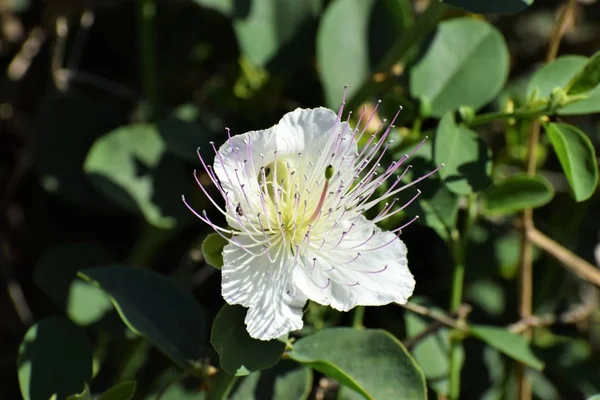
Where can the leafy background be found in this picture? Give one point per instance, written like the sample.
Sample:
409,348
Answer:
107,282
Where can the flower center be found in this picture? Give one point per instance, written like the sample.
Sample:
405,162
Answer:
294,203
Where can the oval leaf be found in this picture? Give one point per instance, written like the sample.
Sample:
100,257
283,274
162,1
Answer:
372,362
270,25
239,354
508,343
467,158
577,157
56,275
131,166
285,381
466,65
490,6
587,78
557,74
156,307
356,33
517,193
55,357
212,249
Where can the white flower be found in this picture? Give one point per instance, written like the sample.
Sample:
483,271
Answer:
294,198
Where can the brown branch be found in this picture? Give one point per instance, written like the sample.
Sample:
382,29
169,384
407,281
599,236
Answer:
571,261
526,258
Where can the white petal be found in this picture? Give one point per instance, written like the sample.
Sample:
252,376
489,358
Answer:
339,278
275,305
243,153
317,133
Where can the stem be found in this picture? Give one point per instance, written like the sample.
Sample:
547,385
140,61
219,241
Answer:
526,258
458,250
409,38
573,262
517,114
147,52
222,386
357,318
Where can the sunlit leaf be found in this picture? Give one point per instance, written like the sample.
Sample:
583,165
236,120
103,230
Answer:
371,362
577,157
465,65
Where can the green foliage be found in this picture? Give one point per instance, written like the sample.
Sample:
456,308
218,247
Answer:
466,65
508,343
156,307
431,352
466,157
337,49
212,249
97,154
239,354
121,391
517,193
284,381
130,165
577,158
558,74
55,357
56,275
371,362
491,6
587,78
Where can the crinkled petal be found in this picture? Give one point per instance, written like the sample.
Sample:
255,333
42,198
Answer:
266,288
317,133
336,276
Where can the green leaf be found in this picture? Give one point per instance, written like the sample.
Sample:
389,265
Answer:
239,354
156,307
431,352
587,78
467,158
56,275
577,158
212,249
269,25
490,6
466,65
55,357
517,193
121,391
186,128
352,33
372,362
130,165
285,381
594,397
85,395
508,343
557,74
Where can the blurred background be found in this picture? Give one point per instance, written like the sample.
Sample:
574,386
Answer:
101,114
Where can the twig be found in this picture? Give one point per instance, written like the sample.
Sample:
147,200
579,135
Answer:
571,261
443,319
526,258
